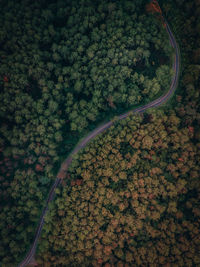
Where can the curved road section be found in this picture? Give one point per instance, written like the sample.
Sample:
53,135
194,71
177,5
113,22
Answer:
63,169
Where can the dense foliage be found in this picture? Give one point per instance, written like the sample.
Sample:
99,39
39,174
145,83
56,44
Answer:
64,67
132,199
80,59
132,196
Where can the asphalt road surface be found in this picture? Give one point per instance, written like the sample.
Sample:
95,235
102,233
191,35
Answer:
94,133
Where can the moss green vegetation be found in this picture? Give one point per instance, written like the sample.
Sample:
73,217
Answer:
131,200
132,196
65,67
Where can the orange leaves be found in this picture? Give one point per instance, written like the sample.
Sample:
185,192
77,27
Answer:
148,157
141,190
109,194
191,129
86,174
118,230
151,196
122,206
114,223
100,260
90,183
144,201
179,215
100,235
108,172
114,245
39,168
153,7
135,195
127,194
122,175
147,142
115,178
129,257
5,79
76,182
141,182
104,211
171,167
79,182
108,250
134,159
161,259
155,170
119,253
156,6
172,207
73,183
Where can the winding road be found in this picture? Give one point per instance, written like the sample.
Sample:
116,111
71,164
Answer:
63,169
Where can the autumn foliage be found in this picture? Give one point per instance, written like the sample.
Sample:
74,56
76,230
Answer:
153,7
129,206
131,198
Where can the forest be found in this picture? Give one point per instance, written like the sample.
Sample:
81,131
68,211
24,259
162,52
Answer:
131,197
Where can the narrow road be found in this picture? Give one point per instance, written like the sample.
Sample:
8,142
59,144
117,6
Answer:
94,133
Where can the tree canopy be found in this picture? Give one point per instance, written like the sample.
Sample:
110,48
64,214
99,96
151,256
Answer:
132,196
